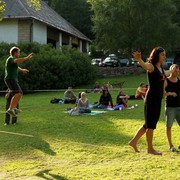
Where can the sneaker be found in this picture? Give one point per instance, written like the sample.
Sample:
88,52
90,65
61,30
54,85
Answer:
5,124
11,112
173,149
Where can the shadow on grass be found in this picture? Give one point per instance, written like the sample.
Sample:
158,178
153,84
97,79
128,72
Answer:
101,129
42,145
51,121
47,175
22,143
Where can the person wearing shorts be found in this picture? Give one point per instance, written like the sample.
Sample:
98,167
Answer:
11,78
172,109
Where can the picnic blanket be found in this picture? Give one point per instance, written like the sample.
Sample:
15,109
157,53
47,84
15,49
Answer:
95,112
92,112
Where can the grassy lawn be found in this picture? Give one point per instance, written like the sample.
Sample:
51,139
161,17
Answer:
48,144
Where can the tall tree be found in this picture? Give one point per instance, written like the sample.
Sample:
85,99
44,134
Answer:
129,24
77,12
177,15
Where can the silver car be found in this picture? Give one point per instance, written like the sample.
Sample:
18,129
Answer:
166,64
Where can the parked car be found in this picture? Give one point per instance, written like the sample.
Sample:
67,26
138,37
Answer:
96,61
134,62
111,60
169,61
124,62
112,56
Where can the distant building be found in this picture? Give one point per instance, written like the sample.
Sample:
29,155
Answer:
22,23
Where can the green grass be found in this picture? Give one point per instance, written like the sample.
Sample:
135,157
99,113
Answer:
82,147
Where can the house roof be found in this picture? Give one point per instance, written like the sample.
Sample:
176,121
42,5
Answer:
19,9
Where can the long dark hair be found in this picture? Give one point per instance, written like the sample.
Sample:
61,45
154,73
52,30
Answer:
105,90
154,56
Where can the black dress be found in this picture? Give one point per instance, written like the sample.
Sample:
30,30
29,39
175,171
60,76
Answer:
153,99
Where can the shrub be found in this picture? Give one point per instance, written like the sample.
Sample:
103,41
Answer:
50,68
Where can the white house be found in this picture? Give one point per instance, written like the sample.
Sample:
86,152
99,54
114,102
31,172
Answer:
23,23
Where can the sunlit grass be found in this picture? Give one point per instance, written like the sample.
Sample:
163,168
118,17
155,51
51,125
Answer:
82,147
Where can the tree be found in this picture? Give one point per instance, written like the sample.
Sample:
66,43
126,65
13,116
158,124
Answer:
77,12
2,6
35,3
176,16
134,24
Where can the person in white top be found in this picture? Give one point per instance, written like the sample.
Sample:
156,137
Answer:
83,104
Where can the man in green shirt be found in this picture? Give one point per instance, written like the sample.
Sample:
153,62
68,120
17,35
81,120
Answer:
11,78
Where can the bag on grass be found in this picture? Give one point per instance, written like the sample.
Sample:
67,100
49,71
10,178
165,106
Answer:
74,112
55,101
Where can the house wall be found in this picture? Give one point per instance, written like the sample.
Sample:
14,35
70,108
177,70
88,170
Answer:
14,31
39,33
9,31
24,30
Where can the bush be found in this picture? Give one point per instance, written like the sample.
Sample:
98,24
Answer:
50,68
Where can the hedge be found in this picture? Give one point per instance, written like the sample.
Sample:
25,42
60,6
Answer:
50,68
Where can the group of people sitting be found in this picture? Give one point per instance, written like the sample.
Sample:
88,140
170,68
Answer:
105,101
140,91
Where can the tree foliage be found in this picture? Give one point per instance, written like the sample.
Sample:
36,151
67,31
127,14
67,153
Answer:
2,8
177,14
129,24
77,12
34,3
50,68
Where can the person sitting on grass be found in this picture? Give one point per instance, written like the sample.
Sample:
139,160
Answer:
83,104
141,91
97,87
121,101
105,100
69,96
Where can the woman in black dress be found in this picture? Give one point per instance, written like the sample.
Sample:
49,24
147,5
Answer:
152,106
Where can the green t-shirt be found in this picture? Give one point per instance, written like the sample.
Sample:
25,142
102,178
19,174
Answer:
11,69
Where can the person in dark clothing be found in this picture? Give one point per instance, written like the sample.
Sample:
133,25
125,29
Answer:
152,103
105,100
11,77
172,110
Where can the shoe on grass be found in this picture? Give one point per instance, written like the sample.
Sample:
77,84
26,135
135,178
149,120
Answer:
11,112
173,149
